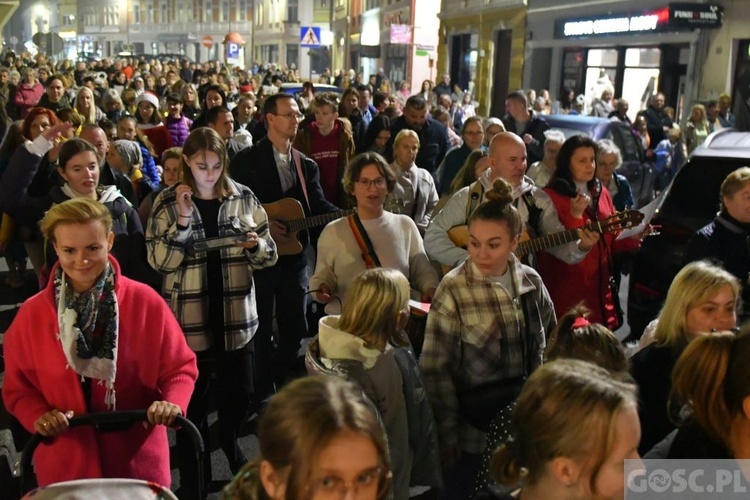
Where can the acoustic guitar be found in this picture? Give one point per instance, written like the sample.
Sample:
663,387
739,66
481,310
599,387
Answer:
289,212
618,221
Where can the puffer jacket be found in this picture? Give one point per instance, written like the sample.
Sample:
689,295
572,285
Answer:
422,431
179,129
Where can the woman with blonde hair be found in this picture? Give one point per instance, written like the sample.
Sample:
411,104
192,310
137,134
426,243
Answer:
415,187
713,377
86,106
696,128
211,290
368,344
95,341
574,427
318,438
702,298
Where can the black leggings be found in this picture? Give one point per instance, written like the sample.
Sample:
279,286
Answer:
230,375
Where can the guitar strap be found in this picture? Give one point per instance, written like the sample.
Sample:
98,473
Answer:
365,245
302,180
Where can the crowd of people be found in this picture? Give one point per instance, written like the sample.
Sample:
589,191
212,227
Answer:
240,205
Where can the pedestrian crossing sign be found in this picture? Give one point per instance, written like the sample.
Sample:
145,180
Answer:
309,36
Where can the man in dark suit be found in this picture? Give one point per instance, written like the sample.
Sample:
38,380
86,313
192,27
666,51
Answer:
269,168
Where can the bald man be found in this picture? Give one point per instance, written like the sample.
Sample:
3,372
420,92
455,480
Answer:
507,161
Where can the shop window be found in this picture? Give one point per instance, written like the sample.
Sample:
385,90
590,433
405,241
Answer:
292,55
602,57
643,58
292,11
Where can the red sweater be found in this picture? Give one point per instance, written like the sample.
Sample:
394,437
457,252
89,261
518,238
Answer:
154,363
587,281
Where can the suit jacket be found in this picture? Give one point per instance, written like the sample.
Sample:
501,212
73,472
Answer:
255,167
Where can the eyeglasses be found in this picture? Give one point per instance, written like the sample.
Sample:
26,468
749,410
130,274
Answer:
289,116
372,483
378,183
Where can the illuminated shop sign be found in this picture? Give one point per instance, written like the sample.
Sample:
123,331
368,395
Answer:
674,17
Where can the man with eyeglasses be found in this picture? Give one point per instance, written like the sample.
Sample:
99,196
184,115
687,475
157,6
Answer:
473,134
271,169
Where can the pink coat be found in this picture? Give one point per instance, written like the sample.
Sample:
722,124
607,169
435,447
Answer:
27,96
154,363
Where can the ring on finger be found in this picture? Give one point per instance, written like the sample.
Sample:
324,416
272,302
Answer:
45,424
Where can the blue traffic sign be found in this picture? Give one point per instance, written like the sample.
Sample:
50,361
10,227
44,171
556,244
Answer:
309,36
233,50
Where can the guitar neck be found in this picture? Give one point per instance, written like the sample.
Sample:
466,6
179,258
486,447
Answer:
316,220
553,240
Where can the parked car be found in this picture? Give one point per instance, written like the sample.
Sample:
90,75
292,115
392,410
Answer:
296,88
690,202
635,168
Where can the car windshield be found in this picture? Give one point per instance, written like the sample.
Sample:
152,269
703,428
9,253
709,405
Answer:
694,192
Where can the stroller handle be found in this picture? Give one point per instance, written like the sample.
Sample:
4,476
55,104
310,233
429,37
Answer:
111,422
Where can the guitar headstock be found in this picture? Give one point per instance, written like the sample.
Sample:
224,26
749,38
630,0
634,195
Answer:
394,205
622,220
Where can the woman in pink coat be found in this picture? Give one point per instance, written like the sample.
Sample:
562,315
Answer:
28,93
95,341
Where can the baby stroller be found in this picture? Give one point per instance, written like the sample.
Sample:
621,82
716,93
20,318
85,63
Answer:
109,488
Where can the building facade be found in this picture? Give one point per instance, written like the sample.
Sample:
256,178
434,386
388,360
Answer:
635,48
277,32
196,29
481,47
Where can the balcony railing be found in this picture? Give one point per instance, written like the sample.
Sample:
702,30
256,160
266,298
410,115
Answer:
243,27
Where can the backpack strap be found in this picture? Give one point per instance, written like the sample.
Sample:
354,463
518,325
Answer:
535,213
303,182
475,194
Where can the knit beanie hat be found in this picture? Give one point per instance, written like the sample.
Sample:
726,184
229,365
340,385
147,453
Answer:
129,151
150,98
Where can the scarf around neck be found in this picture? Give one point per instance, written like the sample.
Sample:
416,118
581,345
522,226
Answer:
88,325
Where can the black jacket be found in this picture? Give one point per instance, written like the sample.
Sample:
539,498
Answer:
727,242
656,121
110,177
652,371
433,143
536,127
255,167
129,247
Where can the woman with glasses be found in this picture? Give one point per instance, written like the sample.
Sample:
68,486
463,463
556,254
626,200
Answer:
472,133
394,240
319,439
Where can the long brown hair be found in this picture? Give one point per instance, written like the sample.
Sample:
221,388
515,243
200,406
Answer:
205,139
712,376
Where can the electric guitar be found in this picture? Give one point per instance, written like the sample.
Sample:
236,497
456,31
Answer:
616,222
289,212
